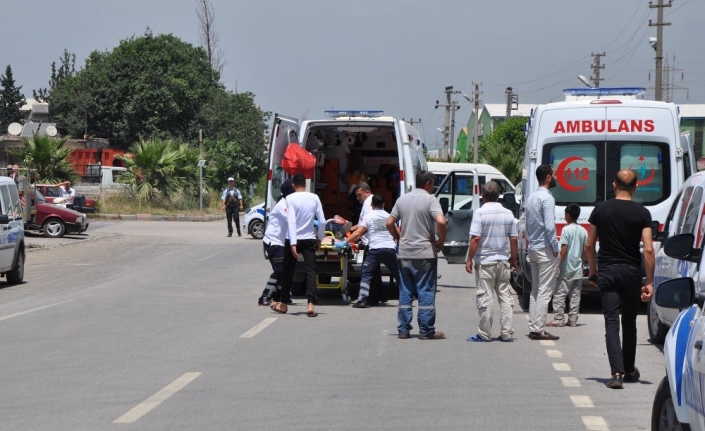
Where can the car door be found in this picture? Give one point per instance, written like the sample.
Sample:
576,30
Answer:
694,373
458,194
284,131
7,248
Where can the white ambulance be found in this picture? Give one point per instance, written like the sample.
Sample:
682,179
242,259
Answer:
587,140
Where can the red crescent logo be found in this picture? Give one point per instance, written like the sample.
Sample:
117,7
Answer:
651,177
560,174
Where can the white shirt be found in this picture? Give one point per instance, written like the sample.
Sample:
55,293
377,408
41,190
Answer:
68,195
494,224
366,209
302,208
277,224
375,222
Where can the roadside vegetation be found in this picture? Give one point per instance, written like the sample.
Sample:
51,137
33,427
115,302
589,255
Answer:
49,156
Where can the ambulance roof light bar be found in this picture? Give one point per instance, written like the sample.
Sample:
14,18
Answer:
616,91
354,113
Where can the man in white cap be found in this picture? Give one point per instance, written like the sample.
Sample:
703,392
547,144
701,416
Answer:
231,202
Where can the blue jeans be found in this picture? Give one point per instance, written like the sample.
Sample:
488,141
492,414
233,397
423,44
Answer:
418,276
373,259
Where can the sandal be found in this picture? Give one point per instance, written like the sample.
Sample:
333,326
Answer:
275,307
311,313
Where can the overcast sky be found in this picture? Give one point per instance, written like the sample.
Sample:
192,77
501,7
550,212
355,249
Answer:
394,55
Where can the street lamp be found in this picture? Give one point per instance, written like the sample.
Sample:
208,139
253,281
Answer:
584,80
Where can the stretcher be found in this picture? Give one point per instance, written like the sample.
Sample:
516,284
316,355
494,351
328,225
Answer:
332,263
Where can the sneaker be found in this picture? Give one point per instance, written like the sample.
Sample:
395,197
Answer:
432,336
230,234
542,336
572,324
632,378
403,335
239,234
361,304
615,382
556,323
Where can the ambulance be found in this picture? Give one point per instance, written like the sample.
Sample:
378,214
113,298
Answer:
587,139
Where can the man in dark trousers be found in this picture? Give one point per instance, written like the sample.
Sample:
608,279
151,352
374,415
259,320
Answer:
621,224
232,204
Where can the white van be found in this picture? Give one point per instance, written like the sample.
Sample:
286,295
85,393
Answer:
587,141
485,173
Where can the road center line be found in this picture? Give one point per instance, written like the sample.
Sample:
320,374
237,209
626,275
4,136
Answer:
10,316
258,327
570,382
554,353
582,401
547,342
595,423
212,255
561,366
150,403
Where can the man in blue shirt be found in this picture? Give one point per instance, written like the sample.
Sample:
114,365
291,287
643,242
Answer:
543,251
231,202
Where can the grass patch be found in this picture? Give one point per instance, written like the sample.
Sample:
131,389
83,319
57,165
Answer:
179,204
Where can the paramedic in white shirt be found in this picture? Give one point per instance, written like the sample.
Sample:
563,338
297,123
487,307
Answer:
303,208
274,240
376,287
492,255
381,248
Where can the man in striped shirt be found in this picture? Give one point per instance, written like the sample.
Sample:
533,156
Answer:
492,255
543,251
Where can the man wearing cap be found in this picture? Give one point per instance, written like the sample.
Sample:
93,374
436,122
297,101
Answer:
231,202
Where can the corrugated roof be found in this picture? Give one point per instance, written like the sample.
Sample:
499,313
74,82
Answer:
500,109
692,110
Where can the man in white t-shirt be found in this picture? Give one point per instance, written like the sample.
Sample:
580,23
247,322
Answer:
363,192
302,209
492,254
67,192
381,248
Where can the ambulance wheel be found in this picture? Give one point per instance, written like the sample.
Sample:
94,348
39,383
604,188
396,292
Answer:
346,298
663,414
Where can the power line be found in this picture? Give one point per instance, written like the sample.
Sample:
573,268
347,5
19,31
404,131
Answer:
684,3
638,7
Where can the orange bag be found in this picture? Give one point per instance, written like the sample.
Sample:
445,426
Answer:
298,161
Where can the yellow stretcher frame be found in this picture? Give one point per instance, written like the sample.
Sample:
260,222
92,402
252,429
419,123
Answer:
322,255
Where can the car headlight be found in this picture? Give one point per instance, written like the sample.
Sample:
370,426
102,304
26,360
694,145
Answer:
79,219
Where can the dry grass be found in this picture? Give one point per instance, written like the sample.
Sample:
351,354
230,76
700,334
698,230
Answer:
126,203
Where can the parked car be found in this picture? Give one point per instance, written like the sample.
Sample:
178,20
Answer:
52,194
253,222
685,216
54,220
12,254
679,403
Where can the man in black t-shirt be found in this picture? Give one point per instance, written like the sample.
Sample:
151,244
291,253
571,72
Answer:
621,225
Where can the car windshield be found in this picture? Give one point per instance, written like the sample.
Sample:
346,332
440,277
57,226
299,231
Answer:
40,196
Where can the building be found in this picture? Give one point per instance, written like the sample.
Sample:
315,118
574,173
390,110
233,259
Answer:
489,114
693,120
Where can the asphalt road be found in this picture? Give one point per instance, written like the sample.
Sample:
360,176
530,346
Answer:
154,326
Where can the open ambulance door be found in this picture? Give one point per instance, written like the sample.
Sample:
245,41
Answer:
284,131
459,195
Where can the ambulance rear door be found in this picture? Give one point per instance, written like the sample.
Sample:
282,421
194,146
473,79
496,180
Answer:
411,157
284,131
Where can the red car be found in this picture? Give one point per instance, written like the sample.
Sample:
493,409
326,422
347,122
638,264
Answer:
54,220
51,192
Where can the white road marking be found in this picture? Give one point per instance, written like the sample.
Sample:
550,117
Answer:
595,423
554,353
570,382
33,310
561,366
212,255
150,403
547,342
258,327
383,342
582,401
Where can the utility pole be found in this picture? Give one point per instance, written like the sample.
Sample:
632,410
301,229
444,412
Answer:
412,121
596,66
200,169
475,133
453,108
658,91
446,124
512,102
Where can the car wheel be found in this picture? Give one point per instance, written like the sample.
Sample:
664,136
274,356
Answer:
16,275
657,330
54,228
256,229
515,283
663,413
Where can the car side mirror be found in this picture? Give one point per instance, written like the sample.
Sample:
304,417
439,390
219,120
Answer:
4,219
681,247
657,235
445,203
676,293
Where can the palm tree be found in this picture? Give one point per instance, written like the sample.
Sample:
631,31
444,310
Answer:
48,156
505,159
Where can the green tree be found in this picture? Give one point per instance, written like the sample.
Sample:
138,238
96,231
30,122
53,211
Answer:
67,67
504,148
152,86
48,156
11,100
160,166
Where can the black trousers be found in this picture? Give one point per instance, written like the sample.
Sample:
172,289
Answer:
620,289
376,293
275,253
306,248
233,213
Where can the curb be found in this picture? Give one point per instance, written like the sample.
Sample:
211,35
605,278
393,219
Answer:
151,217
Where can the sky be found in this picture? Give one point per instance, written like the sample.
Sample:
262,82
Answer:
307,56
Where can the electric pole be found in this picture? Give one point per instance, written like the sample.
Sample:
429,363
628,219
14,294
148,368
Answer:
412,121
658,91
512,102
454,107
475,132
450,107
596,66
